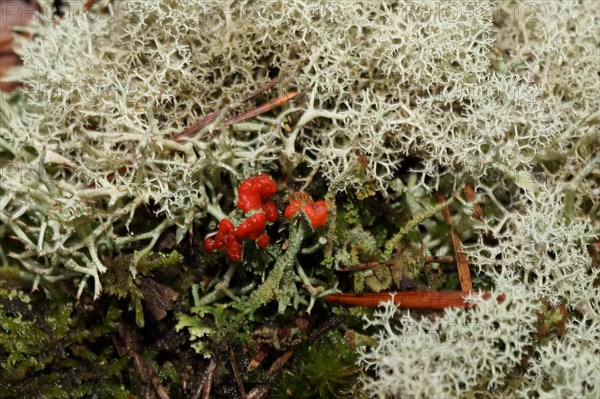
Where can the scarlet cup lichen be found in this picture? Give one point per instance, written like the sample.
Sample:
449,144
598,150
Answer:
316,212
252,227
254,198
255,193
227,240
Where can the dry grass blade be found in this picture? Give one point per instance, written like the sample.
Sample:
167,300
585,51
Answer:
279,363
205,386
258,392
256,361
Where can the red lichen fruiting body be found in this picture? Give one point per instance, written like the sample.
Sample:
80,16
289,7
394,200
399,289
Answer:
266,186
263,240
254,194
226,240
209,245
292,209
271,211
301,196
249,201
252,227
254,191
317,213
225,228
234,248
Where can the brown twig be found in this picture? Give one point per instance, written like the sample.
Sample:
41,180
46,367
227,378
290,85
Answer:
207,379
464,275
470,195
236,373
370,265
432,300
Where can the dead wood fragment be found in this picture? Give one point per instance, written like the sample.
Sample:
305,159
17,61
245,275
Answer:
157,298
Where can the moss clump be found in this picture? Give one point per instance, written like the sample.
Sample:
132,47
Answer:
325,369
48,353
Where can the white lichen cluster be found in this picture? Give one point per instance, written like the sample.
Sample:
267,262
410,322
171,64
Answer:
90,145
482,352
544,248
542,199
460,352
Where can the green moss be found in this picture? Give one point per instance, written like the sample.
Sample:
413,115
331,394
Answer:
47,352
325,369
155,260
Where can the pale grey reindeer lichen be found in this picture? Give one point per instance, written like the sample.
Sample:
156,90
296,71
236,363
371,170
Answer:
89,145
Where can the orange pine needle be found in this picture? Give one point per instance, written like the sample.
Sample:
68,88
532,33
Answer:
196,127
278,102
432,300
6,41
208,119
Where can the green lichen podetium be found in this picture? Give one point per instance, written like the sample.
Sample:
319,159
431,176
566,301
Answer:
395,240
89,167
278,283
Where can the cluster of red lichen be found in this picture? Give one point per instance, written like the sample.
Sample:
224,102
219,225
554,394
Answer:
225,240
254,198
315,211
